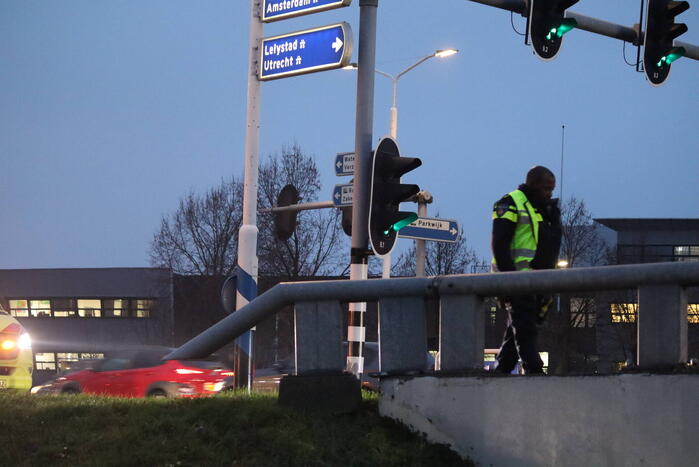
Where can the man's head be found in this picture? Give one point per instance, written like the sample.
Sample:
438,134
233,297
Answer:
542,181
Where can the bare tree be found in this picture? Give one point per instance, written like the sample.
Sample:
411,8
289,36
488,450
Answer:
581,243
201,236
316,246
441,258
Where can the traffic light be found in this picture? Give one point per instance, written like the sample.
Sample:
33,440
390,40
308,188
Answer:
387,192
285,221
661,31
547,25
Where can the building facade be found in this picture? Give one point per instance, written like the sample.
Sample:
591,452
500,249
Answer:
77,314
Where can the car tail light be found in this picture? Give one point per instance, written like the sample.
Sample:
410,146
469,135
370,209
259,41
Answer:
228,373
188,371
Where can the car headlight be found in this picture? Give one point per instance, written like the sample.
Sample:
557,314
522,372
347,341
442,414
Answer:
24,342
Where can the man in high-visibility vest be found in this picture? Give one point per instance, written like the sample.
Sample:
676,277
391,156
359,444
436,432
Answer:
526,235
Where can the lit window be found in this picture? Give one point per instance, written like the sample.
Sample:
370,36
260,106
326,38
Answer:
90,356
144,307
687,253
693,313
624,312
89,308
64,307
64,360
45,361
115,307
19,308
40,308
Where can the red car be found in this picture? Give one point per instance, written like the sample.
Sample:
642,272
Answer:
142,374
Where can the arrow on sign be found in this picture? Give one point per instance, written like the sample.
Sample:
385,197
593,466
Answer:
308,51
431,228
343,195
344,163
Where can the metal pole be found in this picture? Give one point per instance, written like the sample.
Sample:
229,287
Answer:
301,207
393,129
563,133
420,246
247,237
362,176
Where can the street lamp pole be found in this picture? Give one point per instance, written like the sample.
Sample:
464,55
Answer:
393,132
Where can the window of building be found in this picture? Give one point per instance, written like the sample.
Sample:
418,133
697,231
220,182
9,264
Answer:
582,312
82,307
693,313
65,359
143,308
624,312
90,355
89,308
40,308
45,361
115,308
687,253
19,308
64,307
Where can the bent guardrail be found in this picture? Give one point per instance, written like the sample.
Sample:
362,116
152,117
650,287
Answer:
662,314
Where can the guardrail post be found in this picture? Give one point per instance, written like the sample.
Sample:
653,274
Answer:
461,332
662,325
402,334
318,337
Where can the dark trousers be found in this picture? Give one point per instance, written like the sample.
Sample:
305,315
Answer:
520,337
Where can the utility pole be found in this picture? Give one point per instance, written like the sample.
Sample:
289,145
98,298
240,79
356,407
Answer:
247,243
362,177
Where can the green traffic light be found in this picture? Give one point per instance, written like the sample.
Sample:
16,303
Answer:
401,223
566,25
672,55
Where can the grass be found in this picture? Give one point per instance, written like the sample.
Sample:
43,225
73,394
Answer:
227,430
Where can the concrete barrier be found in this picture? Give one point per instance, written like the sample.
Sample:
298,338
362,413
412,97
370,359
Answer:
619,420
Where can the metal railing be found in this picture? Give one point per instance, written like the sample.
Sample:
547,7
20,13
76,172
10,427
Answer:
661,332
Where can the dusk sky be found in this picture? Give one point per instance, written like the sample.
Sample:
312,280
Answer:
111,111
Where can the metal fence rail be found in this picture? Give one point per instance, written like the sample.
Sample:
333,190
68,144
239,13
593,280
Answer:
662,314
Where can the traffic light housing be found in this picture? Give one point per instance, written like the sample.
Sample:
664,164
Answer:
661,30
285,221
387,192
547,25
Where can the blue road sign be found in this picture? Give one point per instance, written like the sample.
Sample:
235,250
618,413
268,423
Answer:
273,10
431,228
344,163
307,51
343,195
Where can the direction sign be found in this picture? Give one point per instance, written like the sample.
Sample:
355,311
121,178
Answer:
344,163
431,228
274,10
342,194
307,51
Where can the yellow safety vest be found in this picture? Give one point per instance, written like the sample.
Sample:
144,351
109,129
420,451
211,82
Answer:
526,237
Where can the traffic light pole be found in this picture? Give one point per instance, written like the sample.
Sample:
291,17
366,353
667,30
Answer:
247,245
633,34
362,177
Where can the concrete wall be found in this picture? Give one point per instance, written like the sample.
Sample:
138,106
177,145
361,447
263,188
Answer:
621,420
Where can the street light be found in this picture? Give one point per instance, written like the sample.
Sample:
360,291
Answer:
393,132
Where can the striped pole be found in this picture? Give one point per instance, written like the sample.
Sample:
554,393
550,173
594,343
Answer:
247,237
356,330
